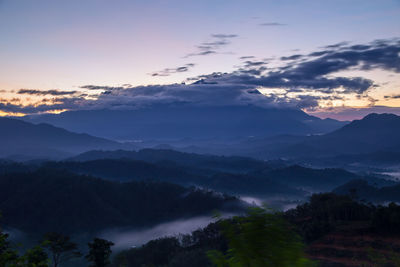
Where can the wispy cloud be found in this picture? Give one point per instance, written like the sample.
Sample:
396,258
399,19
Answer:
246,57
169,71
272,24
224,36
211,47
53,92
392,96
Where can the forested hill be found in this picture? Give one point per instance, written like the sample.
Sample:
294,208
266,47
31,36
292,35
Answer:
360,189
51,200
211,162
336,231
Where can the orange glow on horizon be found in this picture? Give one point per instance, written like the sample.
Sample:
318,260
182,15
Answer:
19,114
11,114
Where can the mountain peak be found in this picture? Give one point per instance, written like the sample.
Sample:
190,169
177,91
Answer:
43,140
382,116
372,124
376,122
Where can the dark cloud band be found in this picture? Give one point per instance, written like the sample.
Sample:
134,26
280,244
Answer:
45,92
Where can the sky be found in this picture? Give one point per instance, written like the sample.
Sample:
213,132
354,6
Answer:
338,59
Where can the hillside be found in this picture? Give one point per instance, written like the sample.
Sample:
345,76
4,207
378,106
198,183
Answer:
173,157
375,133
247,178
124,170
43,140
336,231
49,200
370,193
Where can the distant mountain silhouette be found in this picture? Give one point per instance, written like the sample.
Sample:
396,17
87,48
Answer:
177,122
27,140
374,133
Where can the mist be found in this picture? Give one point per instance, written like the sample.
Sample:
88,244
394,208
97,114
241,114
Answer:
129,238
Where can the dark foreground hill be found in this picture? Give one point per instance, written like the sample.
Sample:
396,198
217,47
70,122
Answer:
360,189
336,230
27,140
49,200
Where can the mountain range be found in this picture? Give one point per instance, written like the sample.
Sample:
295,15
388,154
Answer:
23,140
376,135
164,122
370,135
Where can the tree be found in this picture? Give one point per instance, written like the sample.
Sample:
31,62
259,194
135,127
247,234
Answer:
35,257
99,252
260,239
8,256
61,248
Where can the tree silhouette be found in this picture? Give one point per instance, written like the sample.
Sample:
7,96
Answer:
99,252
7,255
35,257
61,248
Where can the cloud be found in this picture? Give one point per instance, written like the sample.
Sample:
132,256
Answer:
252,67
211,47
337,45
100,87
310,81
224,36
315,72
272,24
292,57
54,92
169,71
42,106
392,96
246,57
294,84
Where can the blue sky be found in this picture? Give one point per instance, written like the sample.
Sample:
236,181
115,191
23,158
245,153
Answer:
65,45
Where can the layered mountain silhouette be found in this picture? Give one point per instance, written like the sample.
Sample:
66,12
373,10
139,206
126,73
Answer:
22,139
374,134
177,122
